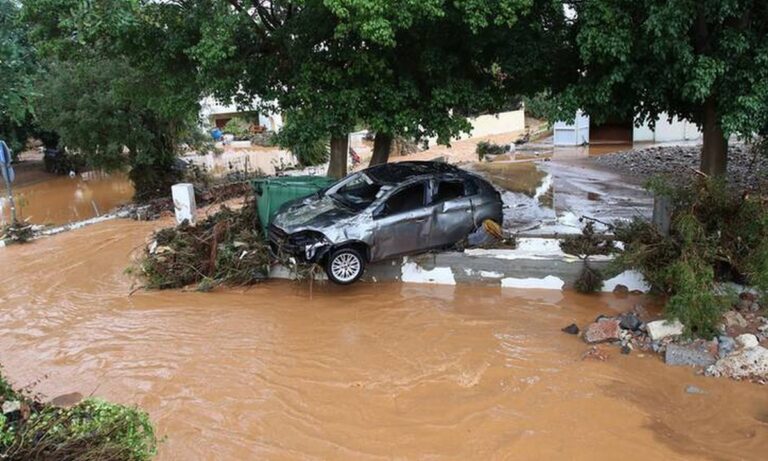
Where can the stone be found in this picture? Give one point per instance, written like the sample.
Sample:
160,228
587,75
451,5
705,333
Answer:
725,345
630,321
11,406
694,390
660,329
620,289
734,319
601,331
747,341
697,354
67,400
746,363
626,349
571,329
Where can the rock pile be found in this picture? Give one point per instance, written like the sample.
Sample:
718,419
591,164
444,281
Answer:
676,162
736,353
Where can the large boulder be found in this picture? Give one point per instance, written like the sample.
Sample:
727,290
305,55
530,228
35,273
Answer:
697,354
743,364
604,329
660,329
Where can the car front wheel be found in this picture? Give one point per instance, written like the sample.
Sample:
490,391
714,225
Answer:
345,266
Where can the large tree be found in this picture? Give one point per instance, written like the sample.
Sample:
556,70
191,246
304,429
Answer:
703,60
414,69
117,76
17,70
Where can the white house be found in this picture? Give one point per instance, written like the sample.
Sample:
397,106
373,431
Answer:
217,114
582,131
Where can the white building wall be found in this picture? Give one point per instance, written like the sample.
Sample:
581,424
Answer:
667,131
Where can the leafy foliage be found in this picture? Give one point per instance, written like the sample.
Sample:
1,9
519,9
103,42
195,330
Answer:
92,430
17,69
716,236
117,77
588,243
411,69
485,148
238,127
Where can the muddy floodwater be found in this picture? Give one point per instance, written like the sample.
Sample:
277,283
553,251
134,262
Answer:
367,372
61,199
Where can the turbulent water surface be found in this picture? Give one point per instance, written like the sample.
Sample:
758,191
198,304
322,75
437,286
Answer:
372,371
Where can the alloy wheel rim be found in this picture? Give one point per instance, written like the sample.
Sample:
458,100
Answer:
345,267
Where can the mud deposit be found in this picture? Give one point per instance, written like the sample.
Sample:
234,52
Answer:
371,371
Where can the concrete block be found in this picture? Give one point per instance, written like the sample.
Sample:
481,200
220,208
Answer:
184,202
660,329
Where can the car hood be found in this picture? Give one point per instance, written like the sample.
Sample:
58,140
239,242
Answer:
311,213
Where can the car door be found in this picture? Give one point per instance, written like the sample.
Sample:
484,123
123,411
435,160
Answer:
402,222
454,218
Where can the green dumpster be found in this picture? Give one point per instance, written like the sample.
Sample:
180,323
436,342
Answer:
272,193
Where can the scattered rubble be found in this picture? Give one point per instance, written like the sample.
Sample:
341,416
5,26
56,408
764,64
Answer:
745,169
736,353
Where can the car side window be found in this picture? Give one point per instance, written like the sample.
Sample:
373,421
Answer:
407,199
449,190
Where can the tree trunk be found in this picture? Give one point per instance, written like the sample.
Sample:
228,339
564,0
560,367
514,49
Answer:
337,167
382,145
714,153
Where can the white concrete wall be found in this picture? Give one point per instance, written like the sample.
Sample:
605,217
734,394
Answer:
504,122
492,124
666,131
210,106
572,134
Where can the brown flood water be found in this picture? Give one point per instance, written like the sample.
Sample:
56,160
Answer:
61,199
372,371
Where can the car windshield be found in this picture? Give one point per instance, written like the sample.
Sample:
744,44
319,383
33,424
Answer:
358,192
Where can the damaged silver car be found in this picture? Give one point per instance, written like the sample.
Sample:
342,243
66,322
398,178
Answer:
381,212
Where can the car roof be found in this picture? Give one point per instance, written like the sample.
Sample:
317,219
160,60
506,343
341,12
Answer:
392,173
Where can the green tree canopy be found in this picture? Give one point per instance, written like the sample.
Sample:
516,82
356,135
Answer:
17,70
117,76
703,60
403,68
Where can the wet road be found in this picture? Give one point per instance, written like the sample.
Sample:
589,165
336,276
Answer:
384,371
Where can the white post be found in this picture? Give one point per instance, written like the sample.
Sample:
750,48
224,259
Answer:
184,203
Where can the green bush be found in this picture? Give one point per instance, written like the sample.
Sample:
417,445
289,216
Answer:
238,127
485,148
311,153
92,430
716,235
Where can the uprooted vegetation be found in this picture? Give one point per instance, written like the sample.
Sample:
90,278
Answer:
225,248
716,236
92,430
588,243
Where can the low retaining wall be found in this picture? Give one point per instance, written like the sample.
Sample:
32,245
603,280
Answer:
536,263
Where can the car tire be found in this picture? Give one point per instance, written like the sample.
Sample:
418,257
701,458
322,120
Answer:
344,266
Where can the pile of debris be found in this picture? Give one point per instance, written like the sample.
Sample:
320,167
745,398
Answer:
225,248
736,352
20,232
